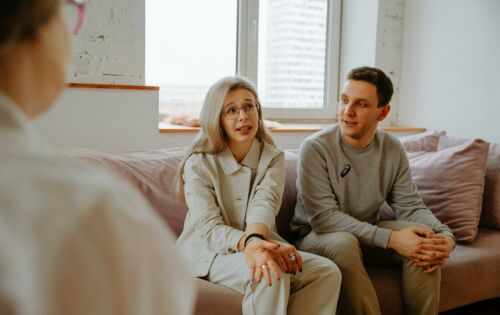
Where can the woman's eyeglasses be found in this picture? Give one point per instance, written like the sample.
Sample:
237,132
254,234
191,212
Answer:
232,112
74,18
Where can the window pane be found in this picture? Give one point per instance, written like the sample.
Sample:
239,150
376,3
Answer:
292,46
189,45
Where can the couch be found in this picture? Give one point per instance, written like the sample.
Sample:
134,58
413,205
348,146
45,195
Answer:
471,274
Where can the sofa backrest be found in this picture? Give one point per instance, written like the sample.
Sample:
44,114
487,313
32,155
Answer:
289,199
490,216
153,172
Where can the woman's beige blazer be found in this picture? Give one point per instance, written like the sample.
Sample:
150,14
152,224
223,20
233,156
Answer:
222,200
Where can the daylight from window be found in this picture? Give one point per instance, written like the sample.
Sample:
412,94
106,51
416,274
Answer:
192,43
292,43
189,45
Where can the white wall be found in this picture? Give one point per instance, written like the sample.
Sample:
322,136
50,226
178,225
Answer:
451,67
358,35
110,46
389,49
106,119
124,120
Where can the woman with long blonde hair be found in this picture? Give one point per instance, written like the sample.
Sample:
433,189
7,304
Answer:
232,181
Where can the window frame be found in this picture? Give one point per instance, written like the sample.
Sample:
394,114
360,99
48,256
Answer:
247,61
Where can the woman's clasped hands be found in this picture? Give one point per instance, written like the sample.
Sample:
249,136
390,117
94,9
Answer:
264,257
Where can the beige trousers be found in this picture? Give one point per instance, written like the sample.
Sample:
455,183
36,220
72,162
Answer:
315,290
357,296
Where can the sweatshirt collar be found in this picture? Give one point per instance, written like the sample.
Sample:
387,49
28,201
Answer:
349,147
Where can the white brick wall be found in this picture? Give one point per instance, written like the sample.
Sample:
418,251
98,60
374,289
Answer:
389,48
110,49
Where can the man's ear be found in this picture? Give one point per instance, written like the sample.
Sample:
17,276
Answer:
384,112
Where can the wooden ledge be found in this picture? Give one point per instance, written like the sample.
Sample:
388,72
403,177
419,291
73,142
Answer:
113,86
285,128
403,129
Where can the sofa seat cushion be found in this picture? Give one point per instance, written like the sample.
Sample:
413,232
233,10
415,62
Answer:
471,274
215,299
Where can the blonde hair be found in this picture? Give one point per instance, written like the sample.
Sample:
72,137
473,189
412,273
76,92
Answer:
211,138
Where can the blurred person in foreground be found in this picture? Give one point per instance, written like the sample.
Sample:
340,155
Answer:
73,240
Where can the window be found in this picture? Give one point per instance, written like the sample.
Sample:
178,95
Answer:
289,48
189,45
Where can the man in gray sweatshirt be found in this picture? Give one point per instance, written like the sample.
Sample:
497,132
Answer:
345,173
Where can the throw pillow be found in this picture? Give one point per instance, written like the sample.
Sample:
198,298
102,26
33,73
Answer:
426,141
490,215
451,183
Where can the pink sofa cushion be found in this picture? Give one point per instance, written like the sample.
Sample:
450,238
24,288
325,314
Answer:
426,141
490,216
451,183
153,172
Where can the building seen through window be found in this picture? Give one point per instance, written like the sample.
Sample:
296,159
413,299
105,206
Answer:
292,43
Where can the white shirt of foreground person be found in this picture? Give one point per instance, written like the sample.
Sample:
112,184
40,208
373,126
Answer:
74,240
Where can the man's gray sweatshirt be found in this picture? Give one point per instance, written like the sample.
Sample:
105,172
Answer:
341,188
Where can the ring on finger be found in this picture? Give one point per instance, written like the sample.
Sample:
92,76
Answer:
264,267
292,257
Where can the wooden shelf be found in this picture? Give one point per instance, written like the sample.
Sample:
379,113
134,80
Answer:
285,128
113,86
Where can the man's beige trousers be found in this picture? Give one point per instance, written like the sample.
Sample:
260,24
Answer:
357,296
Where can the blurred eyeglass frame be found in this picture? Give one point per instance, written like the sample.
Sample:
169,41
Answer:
80,5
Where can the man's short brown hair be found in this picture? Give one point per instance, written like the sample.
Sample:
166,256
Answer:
378,78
